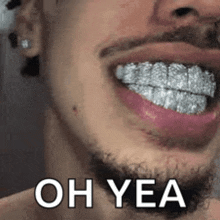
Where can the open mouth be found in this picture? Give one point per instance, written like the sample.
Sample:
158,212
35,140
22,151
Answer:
171,89
184,88
179,102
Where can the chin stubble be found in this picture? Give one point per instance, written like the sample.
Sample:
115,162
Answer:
195,188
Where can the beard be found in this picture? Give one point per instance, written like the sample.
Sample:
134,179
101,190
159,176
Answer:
195,188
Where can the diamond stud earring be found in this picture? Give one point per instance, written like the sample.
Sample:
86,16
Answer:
25,44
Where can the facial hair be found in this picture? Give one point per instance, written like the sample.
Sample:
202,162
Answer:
195,189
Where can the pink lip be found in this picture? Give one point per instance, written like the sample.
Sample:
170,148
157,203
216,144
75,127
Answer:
171,122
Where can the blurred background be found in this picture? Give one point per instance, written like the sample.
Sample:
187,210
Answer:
22,104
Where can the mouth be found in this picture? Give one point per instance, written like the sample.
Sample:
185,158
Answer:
182,88
178,93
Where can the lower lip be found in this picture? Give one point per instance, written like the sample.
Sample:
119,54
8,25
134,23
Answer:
170,122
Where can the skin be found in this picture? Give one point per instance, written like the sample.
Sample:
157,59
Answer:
85,116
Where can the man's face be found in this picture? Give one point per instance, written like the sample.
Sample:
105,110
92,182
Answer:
90,38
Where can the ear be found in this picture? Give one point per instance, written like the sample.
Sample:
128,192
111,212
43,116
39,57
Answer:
29,26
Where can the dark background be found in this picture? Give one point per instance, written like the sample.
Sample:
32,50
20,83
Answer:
22,104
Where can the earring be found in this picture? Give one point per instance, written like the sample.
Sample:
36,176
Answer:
25,44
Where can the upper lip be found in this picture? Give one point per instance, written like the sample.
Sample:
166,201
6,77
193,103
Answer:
169,52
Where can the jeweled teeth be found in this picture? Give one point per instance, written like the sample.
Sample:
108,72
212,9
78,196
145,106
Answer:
173,87
171,102
183,102
144,73
130,72
190,103
159,75
209,84
175,76
159,96
120,72
195,79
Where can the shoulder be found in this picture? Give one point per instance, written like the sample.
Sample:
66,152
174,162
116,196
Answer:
20,206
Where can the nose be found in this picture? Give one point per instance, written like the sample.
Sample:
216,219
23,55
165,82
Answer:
187,12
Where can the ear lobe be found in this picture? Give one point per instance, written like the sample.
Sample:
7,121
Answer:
28,26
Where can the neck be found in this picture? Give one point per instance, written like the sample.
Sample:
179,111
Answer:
65,158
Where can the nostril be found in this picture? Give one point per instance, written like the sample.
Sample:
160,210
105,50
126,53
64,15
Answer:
181,12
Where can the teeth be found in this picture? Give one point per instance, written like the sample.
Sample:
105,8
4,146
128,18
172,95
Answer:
171,102
182,102
174,87
177,77
148,92
159,75
159,96
144,76
129,73
190,103
195,80
209,84
120,72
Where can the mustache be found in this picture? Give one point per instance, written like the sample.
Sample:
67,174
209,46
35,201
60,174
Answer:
203,36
